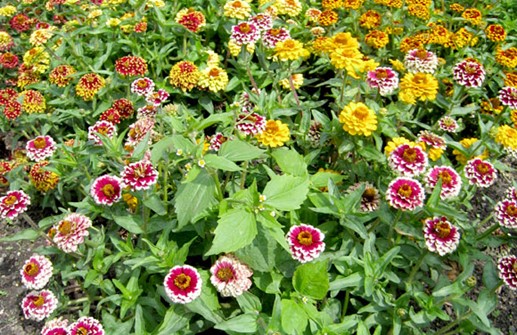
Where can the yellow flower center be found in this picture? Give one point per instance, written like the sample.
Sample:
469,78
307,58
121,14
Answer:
10,200
470,69
360,113
237,4
274,32
141,84
139,171
102,130
182,281
381,74
511,210
405,191
304,238
409,155
421,53
82,331
213,72
445,177
224,274
40,143
244,28
419,78
289,44
369,194
65,227
514,267
38,301
108,190
31,269
442,229
482,168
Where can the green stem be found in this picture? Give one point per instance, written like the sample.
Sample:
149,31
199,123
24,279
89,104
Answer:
244,173
345,305
489,231
445,329
392,226
417,266
218,186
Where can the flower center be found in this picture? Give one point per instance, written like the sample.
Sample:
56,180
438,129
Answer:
182,281
38,301
213,72
274,32
419,79
442,229
369,194
40,143
381,74
421,53
289,44
482,168
244,28
445,177
103,130
141,84
31,269
409,155
471,68
304,238
511,210
82,331
225,274
405,191
360,113
139,171
108,190
514,267
10,200
65,227
237,4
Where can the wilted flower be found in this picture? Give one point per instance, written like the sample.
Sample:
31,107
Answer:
451,181
469,73
305,242
70,232
408,160
251,124
89,85
13,204
40,148
275,134
86,325
105,128
440,235
230,277
142,86
131,66
405,193
106,190
506,213
36,272
182,284
191,19
480,173
383,78
370,198
508,96
138,131
139,175
38,305
507,266
421,61
184,75
358,119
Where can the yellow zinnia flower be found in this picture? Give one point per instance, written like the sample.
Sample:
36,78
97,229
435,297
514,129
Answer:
467,143
358,119
214,78
507,137
275,134
7,11
290,50
297,79
421,86
237,9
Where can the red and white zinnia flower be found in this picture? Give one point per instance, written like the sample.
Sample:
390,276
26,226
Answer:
106,190
440,235
405,194
139,175
506,213
102,127
480,173
508,271
383,78
230,277
38,305
305,242
40,148
13,204
86,325
71,231
182,284
36,272
451,181
408,160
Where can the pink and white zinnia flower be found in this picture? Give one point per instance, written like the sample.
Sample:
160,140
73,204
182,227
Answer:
36,272
13,204
40,148
106,190
480,173
86,325
506,213
508,96
469,73
305,242
383,78
230,277
440,235
405,194
508,271
451,181
104,128
142,86
139,175
408,160
57,326
38,305
245,33
420,60
71,231
182,284
251,124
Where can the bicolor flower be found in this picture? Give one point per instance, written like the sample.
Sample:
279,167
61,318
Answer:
305,242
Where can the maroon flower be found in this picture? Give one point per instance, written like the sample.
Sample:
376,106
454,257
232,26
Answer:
140,175
508,271
245,33
182,284
508,96
131,66
251,124
383,78
106,190
142,86
272,36
105,128
469,73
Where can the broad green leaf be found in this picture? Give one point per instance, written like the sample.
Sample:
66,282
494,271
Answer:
131,223
260,254
173,322
290,162
249,303
242,324
114,326
159,148
294,319
311,279
220,163
286,192
194,197
320,179
155,203
236,229
26,234
354,280
236,150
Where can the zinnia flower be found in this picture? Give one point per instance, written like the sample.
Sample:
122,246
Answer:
290,50
421,61
86,325
237,9
12,109
20,22
370,198
191,19
36,272
408,160
421,86
6,41
506,213
440,235
33,101
305,242
495,33
507,266
110,115
124,107
184,75
370,19
275,134
448,124
57,326
43,180
9,60
157,98
405,194
480,173
272,36
358,119
106,190
262,21
245,33
216,141
142,86
61,75
507,58
507,137
182,284
469,73
213,78
139,175
451,181
472,15
508,96
104,128
138,131
13,204
38,305
71,231
40,148
383,78
89,85
251,124
131,66
230,277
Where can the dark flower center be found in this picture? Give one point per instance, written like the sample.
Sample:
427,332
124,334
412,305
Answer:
40,143
213,72
381,74
182,281
304,238
422,54
442,229
31,269
225,274
369,194
81,331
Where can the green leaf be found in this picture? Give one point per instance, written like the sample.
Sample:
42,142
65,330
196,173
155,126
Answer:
354,280
236,150
286,192
242,324
173,322
290,162
220,163
249,303
320,179
115,327
159,148
311,280
236,229
194,197
130,223
26,234
293,317
154,203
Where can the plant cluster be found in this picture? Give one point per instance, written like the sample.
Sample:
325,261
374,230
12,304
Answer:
270,167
